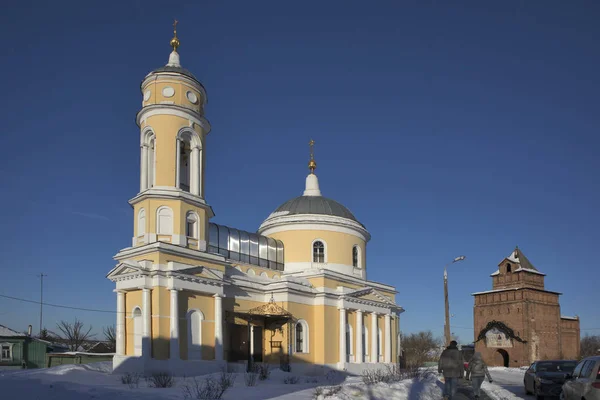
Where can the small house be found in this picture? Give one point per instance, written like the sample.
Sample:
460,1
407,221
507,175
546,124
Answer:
20,350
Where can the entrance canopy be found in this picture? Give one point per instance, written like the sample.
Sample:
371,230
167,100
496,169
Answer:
269,312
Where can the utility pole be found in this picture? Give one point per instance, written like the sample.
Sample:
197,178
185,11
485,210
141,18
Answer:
447,336
41,275
447,307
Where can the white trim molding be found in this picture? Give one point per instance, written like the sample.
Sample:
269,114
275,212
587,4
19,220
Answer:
312,222
174,110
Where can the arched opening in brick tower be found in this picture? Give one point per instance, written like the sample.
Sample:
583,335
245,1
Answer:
502,358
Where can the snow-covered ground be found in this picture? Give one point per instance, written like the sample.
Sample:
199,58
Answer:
507,384
95,381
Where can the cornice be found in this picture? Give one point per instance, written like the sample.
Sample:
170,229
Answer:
172,249
171,193
173,109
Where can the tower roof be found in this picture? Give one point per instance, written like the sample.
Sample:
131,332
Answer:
174,65
518,257
523,264
311,201
313,205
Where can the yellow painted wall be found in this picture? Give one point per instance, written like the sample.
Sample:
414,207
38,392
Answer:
206,304
161,324
298,246
165,258
180,210
179,98
132,299
305,312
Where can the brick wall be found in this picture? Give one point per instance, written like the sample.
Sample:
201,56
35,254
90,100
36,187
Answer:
570,336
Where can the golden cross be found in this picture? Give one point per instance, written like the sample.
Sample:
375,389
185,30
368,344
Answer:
175,27
311,144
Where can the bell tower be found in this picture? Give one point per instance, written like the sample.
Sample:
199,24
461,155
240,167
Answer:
170,206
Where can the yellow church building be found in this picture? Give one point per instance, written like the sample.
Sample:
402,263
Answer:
193,295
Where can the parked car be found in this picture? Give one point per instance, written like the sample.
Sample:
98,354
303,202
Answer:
584,382
545,378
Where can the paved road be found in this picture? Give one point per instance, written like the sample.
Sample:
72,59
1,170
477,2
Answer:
511,380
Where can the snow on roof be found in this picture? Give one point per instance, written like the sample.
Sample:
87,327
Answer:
533,271
494,291
7,332
513,257
567,317
496,273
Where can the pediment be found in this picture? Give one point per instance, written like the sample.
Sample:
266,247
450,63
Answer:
371,294
126,267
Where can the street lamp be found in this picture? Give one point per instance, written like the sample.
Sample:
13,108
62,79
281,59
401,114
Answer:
447,325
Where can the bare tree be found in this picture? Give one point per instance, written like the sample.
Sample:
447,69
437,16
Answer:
420,347
590,345
110,336
74,334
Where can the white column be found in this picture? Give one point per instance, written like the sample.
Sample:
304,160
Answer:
358,337
178,161
200,177
194,180
374,336
218,327
174,342
120,323
144,169
399,343
388,338
146,322
343,355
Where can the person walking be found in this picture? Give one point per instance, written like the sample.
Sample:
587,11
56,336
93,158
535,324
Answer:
477,371
451,366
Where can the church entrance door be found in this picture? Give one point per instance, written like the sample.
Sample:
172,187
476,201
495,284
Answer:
239,342
257,344
502,358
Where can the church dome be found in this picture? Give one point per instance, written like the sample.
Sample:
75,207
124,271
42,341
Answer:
313,205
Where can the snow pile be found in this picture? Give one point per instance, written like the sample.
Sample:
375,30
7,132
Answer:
95,381
425,388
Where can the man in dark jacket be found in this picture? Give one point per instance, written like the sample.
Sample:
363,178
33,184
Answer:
451,366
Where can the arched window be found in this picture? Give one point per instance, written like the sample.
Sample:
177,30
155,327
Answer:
356,257
147,157
264,275
185,162
189,161
194,334
318,251
164,221
191,225
508,267
299,338
301,333
136,315
250,272
141,225
276,276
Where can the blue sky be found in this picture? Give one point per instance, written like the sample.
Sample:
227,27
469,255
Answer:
448,129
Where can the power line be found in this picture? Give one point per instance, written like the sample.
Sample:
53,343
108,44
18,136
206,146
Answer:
57,305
